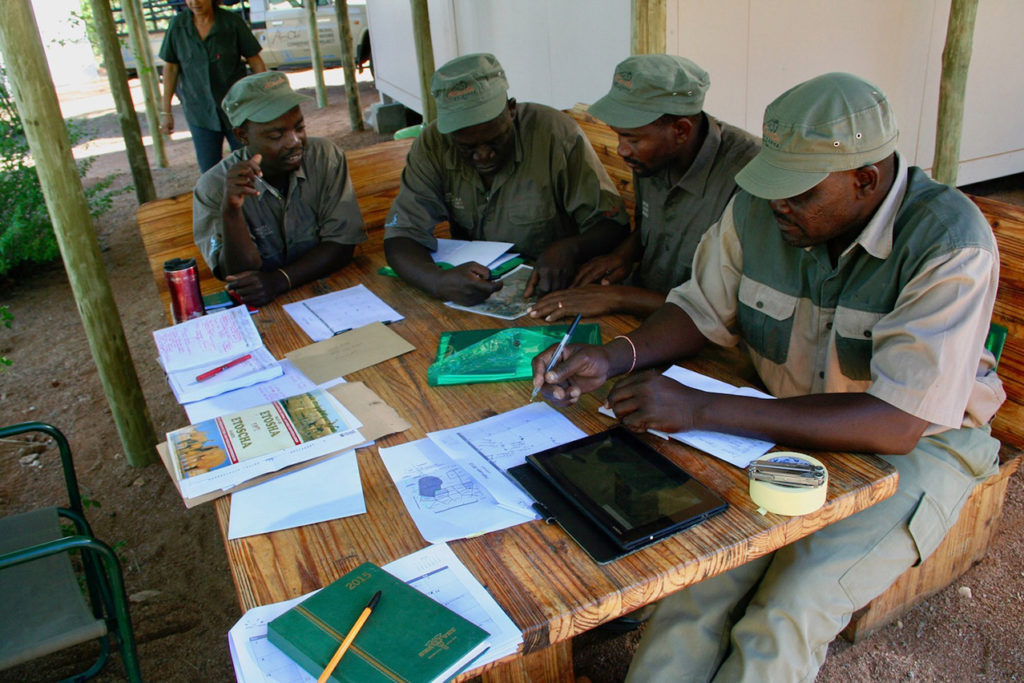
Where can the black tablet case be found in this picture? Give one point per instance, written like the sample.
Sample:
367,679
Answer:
553,506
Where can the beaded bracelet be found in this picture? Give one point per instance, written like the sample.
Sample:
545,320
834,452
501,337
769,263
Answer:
287,279
632,346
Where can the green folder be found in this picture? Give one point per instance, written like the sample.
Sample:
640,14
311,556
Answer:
472,356
408,636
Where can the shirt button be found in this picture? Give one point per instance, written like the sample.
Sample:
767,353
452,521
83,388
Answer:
828,326
760,304
867,333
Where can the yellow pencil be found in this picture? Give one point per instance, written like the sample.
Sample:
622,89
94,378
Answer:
349,638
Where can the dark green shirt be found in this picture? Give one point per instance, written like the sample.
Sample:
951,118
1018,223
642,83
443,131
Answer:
672,217
208,68
320,207
554,187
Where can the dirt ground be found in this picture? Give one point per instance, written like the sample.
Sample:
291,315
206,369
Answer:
183,601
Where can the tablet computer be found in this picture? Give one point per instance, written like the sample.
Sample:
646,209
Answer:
632,493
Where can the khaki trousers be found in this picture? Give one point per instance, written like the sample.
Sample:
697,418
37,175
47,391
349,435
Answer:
772,619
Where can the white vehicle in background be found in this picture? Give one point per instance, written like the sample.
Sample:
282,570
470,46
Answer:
281,27
283,30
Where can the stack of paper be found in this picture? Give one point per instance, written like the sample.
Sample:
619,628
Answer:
456,252
219,454
435,571
212,354
322,317
454,483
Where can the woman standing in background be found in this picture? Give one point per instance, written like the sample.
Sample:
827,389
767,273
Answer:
205,51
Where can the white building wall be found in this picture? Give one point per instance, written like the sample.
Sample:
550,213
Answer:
560,52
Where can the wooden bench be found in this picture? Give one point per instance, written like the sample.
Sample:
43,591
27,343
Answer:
166,227
166,224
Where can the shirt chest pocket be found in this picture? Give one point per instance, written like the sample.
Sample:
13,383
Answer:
530,208
854,343
765,317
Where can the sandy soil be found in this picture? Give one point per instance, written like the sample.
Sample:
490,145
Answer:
176,571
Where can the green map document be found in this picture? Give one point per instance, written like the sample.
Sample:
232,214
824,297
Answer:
472,356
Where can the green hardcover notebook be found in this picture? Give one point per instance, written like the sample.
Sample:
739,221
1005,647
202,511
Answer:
470,356
408,636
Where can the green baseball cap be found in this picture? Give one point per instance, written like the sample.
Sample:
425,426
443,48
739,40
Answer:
645,87
835,122
469,90
261,98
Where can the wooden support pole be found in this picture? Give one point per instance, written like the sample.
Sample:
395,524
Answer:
34,95
649,19
106,34
424,56
348,62
316,60
956,58
133,19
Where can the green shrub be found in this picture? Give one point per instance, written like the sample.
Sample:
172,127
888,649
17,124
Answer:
26,233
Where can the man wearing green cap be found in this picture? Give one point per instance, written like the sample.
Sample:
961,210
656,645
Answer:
499,171
280,211
684,163
863,292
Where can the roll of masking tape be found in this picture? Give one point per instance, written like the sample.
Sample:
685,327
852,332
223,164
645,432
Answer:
788,500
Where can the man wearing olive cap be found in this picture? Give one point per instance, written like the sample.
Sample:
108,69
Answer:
500,171
280,211
863,292
684,163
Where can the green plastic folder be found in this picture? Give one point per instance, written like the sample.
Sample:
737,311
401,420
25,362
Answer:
472,356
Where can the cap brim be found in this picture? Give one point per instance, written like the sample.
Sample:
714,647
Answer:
761,179
449,121
276,107
619,115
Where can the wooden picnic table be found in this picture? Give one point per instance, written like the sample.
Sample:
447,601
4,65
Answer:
549,587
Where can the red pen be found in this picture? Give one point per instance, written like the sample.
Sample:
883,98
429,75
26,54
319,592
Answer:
221,368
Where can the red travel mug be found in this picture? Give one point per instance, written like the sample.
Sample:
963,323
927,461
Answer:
183,284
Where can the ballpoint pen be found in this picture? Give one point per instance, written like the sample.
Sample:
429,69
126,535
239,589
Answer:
267,187
558,352
213,372
352,633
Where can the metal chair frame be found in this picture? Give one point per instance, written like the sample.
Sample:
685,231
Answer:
102,568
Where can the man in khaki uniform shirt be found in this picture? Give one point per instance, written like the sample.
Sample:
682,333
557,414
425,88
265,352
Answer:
281,210
684,166
863,291
499,171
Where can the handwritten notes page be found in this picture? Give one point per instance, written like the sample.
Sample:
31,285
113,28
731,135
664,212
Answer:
205,340
326,315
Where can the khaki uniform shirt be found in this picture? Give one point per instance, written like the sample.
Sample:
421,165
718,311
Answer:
673,217
320,207
903,316
553,187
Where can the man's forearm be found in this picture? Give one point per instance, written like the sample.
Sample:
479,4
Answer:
411,261
238,253
320,261
668,335
847,422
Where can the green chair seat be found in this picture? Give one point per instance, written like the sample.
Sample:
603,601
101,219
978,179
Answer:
44,608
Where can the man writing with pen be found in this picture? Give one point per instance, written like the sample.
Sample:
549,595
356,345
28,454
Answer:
503,171
862,291
280,211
